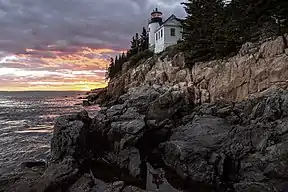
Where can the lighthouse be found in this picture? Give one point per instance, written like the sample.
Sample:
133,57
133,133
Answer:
154,24
163,34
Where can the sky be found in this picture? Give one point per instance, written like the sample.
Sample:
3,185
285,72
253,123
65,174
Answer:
66,44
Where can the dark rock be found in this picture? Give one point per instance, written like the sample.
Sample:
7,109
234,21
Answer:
68,151
132,189
69,137
20,180
149,139
83,184
57,177
165,106
140,97
99,186
190,146
97,96
33,164
156,180
115,110
86,103
255,187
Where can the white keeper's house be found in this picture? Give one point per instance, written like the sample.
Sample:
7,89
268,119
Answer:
163,33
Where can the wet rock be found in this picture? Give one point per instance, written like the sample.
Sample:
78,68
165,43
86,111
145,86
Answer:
97,96
156,180
69,137
132,189
170,128
57,177
83,184
129,159
99,186
257,187
68,150
33,164
21,180
189,147
86,103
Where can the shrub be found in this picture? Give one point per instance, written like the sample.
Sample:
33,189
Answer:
139,56
172,50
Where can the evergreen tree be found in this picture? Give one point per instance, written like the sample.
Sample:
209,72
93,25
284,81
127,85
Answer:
137,41
120,60
258,19
137,49
278,11
109,70
202,28
124,58
134,46
144,40
116,60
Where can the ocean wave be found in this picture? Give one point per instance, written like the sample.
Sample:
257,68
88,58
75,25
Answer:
26,123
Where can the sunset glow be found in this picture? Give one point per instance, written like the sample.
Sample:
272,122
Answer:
59,45
52,69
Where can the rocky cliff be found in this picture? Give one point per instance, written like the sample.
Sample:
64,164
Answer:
214,127
257,67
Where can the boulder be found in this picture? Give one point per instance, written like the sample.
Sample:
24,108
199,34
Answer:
272,48
68,150
86,103
97,96
32,164
165,106
83,184
190,146
255,187
69,137
156,180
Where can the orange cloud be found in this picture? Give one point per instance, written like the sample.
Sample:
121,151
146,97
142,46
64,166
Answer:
84,58
83,69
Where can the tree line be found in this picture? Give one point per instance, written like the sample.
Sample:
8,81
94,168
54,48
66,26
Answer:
215,29
139,44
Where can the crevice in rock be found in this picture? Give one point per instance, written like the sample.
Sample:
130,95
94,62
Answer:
109,172
284,41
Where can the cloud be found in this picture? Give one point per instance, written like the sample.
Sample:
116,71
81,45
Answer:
74,35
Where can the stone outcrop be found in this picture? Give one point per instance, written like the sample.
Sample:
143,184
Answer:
157,144
96,96
219,126
147,143
219,146
256,68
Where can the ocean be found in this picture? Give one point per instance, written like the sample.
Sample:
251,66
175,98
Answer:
26,123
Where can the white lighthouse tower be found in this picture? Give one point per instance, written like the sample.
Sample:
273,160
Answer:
154,23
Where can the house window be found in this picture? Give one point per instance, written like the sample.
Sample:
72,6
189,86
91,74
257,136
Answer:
172,31
161,33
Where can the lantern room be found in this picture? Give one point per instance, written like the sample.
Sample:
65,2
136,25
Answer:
156,16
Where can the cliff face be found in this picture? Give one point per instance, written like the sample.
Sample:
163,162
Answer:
219,126
256,68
